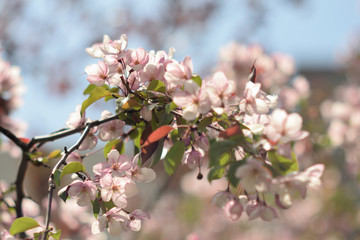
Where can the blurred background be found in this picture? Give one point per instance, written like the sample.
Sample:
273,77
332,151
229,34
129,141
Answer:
47,40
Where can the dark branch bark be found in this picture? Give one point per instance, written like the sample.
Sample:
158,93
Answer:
62,162
14,139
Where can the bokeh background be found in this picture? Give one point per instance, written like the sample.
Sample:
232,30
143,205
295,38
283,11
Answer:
47,40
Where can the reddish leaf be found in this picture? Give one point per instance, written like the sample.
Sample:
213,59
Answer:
147,151
25,140
158,134
231,131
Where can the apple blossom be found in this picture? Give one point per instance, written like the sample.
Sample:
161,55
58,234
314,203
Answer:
97,73
222,92
233,210
177,73
111,220
137,59
113,188
194,100
253,176
135,218
111,129
285,127
82,191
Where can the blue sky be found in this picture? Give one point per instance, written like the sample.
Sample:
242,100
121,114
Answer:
313,33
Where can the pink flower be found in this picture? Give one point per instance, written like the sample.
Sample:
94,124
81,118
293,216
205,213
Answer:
144,174
194,100
284,127
134,222
112,220
82,191
193,158
74,157
90,140
137,59
221,198
116,189
255,100
111,129
117,165
253,176
152,71
177,73
97,73
256,209
222,92
75,119
233,210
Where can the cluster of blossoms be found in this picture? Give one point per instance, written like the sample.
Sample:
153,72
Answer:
231,126
224,123
342,112
114,182
11,90
276,72
343,116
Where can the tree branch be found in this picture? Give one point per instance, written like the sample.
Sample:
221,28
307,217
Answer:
14,139
63,160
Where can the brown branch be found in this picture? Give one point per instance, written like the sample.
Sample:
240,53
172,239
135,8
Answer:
51,181
19,183
14,139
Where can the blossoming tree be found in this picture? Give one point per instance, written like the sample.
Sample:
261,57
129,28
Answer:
171,116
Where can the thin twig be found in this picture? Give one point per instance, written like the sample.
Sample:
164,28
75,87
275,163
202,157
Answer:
51,181
51,178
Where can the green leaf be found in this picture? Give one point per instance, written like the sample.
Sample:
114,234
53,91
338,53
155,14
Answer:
72,167
157,86
135,135
57,177
169,107
110,145
283,165
231,173
56,235
157,154
216,173
63,194
23,224
96,207
173,157
204,123
89,89
197,79
132,103
54,154
218,149
96,94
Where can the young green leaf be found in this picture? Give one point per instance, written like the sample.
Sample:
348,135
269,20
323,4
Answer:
216,173
63,194
54,154
283,165
57,177
197,79
23,224
96,207
157,86
56,235
174,157
72,167
218,149
96,94
110,145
